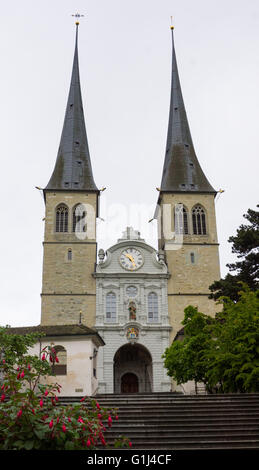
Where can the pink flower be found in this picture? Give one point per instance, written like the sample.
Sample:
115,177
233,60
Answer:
99,416
43,357
19,413
33,411
51,424
98,406
56,359
64,428
3,361
41,403
110,419
56,398
117,417
46,392
29,367
69,419
18,376
80,420
2,397
22,374
130,444
82,399
88,443
3,386
57,419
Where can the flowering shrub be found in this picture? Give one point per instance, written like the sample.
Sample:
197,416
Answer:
31,416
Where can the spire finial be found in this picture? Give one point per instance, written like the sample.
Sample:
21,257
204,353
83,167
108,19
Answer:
172,26
77,15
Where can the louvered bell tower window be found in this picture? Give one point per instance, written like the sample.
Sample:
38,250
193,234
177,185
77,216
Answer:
181,220
62,219
79,215
199,221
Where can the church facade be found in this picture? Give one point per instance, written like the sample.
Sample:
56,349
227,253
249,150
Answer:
132,295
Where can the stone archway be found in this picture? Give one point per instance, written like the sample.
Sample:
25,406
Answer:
133,369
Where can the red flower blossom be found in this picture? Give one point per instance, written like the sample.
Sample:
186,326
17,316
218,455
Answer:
116,417
43,357
98,406
57,419
64,428
18,376
88,443
46,392
22,374
19,413
2,397
51,424
56,359
3,386
82,399
130,444
29,367
99,416
41,403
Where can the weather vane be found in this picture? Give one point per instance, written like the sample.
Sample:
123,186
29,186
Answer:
77,16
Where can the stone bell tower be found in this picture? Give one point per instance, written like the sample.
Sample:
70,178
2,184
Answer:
186,216
71,199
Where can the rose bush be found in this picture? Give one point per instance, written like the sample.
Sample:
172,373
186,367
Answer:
31,416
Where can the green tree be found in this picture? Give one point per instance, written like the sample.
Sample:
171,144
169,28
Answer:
31,416
234,358
187,360
221,352
245,244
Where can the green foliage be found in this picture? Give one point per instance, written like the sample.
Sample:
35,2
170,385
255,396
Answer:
31,416
245,244
221,352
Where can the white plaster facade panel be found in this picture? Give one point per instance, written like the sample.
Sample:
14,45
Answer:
153,337
79,379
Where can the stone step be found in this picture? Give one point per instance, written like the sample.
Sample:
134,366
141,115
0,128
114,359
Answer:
168,421
170,444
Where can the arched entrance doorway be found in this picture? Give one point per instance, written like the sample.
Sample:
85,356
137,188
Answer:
129,383
132,369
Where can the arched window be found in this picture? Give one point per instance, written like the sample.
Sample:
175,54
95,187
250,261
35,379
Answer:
152,307
60,367
62,218
69,255
79,214
111,307
180,220
199,221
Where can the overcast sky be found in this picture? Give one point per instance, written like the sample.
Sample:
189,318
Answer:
125,69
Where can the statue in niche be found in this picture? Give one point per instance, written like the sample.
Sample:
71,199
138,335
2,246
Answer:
132,311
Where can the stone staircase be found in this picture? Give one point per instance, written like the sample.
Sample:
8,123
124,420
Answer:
184,422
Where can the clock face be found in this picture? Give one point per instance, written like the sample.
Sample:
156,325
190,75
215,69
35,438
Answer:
131,259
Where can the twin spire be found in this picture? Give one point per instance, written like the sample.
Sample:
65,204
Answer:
73,171
182,171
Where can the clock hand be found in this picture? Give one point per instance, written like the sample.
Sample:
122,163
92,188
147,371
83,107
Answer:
131,259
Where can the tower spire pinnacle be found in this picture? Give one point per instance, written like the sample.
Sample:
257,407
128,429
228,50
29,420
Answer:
73,170
182,171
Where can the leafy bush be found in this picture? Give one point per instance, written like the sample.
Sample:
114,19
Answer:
31,416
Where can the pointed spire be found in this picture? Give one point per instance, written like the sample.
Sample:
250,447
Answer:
182,171
73,170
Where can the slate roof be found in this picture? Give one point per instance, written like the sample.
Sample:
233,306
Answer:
57,330
182,171
73,170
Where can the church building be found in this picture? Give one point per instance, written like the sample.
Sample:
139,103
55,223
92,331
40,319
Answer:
131,297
